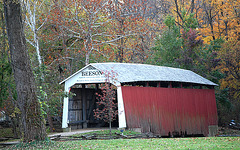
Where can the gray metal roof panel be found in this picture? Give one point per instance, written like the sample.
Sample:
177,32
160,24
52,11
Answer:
128,72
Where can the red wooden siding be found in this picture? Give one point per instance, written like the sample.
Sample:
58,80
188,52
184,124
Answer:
164,110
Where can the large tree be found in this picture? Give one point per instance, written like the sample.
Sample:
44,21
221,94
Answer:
32,124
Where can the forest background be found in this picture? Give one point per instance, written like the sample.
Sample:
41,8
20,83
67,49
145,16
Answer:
65,35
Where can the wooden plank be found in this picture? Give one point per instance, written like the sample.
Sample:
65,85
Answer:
84,105
74,109
76,122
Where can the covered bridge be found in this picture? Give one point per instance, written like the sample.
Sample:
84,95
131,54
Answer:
162,100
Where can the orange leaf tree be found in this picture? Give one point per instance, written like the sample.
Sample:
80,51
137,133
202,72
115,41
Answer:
130,23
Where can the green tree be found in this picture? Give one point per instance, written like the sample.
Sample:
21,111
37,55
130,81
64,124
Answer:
179,47
168,45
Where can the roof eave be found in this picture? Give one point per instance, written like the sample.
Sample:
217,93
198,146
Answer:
92,64
74,74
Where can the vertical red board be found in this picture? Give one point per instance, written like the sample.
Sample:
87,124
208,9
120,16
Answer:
164,110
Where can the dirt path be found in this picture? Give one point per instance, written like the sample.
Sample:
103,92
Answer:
9,143
77,132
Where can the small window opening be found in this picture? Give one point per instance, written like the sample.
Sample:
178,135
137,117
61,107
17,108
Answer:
187,85
153,84
164,84
176,85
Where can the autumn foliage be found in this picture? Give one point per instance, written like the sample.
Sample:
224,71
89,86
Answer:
107,103
230,66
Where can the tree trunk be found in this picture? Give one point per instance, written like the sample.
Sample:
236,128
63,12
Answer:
49,118
32,124
14,127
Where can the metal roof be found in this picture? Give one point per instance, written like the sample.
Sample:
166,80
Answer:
129,72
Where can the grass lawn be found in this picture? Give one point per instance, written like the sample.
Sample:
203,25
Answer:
203,143
106,132
195,143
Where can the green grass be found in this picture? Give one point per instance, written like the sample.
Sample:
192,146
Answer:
211,143
106,132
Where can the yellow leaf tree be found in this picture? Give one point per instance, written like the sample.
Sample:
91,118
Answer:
219,19
230,65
